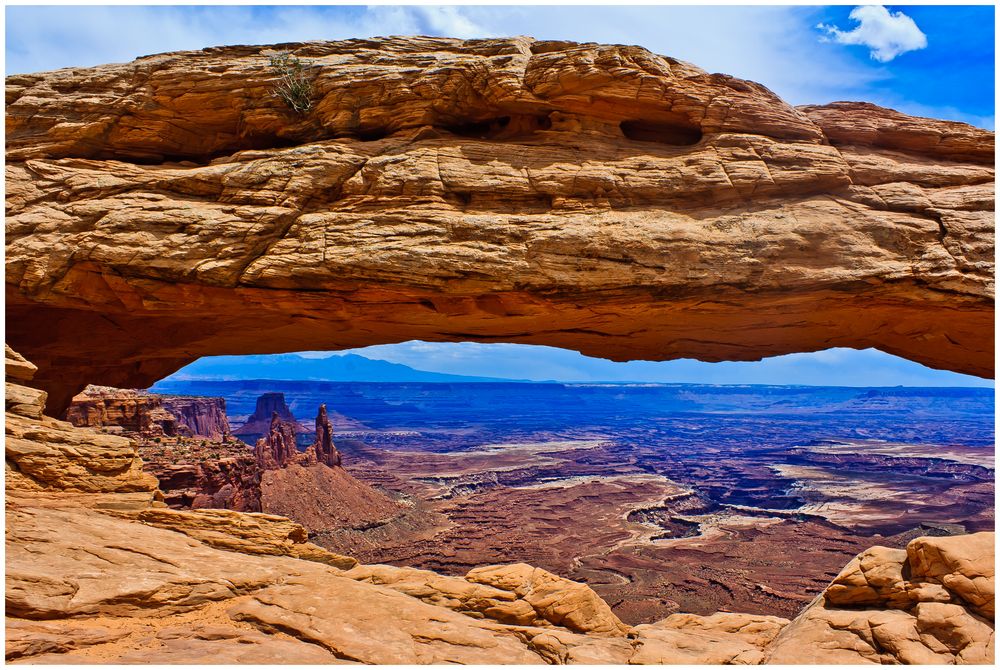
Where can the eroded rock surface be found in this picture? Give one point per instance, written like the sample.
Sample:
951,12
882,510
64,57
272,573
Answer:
124,585
515,594
930,603
148,414
269,405
719,639
43,454
599,198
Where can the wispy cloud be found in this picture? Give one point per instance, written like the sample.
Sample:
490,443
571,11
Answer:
887,34
47,38
756,43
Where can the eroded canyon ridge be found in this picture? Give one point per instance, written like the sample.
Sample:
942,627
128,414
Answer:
595,197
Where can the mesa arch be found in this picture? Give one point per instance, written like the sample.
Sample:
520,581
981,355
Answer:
598,198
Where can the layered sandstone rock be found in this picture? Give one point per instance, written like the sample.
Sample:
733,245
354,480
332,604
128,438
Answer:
556,600
43,454
930,603
720,639
514,594
125,409
140,586
148,414
213,470
216,475
277,448
600,198
259,534
203,417
123,590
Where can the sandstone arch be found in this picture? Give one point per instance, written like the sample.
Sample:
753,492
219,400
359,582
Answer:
599,198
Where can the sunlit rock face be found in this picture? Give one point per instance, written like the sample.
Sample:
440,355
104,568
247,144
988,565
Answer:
43,454
598,198
932,603
149,415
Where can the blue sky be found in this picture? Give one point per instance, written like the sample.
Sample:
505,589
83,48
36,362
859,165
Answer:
925,60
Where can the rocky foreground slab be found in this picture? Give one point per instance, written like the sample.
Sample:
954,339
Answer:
97,570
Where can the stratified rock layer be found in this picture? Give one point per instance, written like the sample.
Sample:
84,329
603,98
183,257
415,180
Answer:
149,414
599,198
204,417
43,454
277,448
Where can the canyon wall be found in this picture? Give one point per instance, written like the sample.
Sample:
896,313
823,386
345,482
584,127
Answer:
149,415
219,472
598,198
204,417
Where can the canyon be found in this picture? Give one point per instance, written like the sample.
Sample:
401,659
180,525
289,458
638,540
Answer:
664,499
594,197
150,415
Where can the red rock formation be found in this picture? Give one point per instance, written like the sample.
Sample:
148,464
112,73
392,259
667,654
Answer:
322,449
312,488
223,476
130,411
598,198
202,417
261,421
276,449
149,415
43,454
91,560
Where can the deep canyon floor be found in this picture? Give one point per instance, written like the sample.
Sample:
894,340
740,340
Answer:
662,498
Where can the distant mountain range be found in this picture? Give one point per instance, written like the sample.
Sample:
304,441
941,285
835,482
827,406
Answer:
338,368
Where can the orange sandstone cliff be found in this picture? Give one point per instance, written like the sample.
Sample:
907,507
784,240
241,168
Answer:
600,198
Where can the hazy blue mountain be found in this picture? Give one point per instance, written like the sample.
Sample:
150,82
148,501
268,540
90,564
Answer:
345,368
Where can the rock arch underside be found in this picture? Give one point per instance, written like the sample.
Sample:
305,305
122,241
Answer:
599,198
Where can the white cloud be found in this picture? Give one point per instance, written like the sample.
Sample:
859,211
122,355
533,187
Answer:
887,34
449,20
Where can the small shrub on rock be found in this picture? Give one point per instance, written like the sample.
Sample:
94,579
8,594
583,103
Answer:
293,87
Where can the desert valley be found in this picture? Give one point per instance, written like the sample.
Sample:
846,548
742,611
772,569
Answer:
662,498
599,198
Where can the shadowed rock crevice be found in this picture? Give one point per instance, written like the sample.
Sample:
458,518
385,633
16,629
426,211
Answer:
664,133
